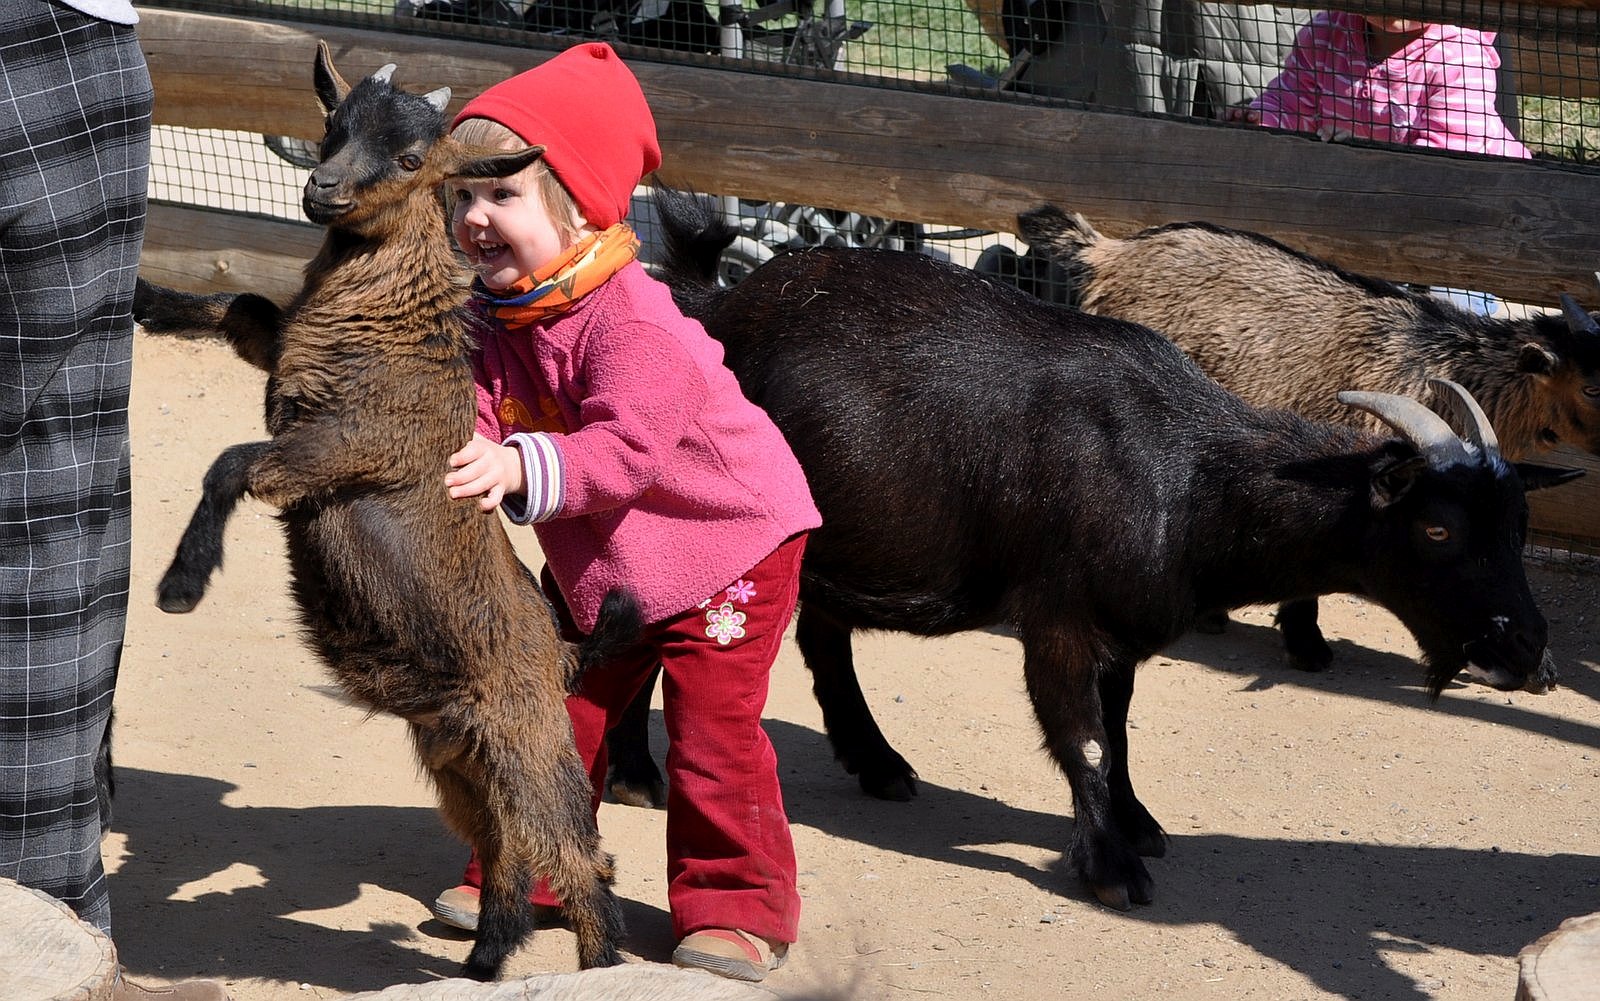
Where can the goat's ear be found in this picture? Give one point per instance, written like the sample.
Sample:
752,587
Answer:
330,86
1536,359
1393,479
477,165
1537,477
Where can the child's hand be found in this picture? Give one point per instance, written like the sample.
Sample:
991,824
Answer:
1330,134
485,470
1240,113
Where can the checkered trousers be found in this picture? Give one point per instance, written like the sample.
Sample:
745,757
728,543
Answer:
75,103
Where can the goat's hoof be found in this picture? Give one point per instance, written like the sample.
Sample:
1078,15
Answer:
650,795
177,600
1114,897
479,970
1140,889
608,956
895,786
1312,662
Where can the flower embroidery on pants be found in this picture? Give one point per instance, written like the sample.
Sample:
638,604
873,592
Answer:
724,623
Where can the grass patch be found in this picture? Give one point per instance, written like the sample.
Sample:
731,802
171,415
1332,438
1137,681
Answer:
1563,128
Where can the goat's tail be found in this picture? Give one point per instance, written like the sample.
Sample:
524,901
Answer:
616,628
1055,234
695,237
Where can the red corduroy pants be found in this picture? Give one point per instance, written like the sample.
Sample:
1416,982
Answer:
730,859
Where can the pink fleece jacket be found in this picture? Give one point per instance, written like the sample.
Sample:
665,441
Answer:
1437,91
646,466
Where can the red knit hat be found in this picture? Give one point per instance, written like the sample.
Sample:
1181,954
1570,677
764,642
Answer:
586,109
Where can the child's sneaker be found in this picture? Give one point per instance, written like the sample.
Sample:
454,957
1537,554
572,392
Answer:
458,908
728,952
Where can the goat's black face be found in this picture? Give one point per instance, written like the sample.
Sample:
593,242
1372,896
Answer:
1445,555
377,136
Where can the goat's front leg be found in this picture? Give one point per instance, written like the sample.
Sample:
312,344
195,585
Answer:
200,550
1302,639
315,459
250,322
857,742
1062,673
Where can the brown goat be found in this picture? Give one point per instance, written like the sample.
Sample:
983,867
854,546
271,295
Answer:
1283,329
416,602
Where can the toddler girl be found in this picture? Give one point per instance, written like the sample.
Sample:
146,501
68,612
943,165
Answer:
607,420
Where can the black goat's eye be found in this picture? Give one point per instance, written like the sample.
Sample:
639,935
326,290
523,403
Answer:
1592,392
1437,533
410,161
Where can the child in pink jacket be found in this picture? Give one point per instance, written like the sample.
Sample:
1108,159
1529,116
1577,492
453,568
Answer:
1391,80
607,420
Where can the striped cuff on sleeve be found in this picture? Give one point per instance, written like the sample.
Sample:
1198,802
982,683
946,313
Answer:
541,478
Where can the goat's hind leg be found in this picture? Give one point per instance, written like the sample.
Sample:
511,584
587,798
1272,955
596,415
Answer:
1137,825
857,742
200,550
538,817
556,808
634,778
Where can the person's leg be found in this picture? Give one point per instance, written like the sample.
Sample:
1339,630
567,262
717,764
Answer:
74,156
730,858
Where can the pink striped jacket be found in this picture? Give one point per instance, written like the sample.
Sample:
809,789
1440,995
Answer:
1438,91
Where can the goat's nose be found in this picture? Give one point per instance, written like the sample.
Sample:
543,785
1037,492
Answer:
321,179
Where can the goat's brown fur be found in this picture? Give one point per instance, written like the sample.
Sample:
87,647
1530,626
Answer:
416,602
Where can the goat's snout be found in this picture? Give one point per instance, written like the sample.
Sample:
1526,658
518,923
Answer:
1512,656
324,197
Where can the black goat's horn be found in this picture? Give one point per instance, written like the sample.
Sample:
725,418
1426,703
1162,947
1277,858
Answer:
383,73
438,98
1578,319
1470,416
1425,429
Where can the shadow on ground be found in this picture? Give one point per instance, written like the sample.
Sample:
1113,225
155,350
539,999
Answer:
179,830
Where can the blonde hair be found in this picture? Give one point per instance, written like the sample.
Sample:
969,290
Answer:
558,201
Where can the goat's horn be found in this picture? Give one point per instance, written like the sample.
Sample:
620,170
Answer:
1578,319
1471,416
438,98
383,73
1425,429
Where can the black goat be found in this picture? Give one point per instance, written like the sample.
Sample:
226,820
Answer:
1284,329
416,602
981,457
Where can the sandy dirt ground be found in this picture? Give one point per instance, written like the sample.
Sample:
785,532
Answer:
1333,836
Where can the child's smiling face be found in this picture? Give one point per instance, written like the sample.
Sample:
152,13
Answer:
502,226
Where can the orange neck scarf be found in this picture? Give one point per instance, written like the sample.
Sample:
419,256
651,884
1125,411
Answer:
568,277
